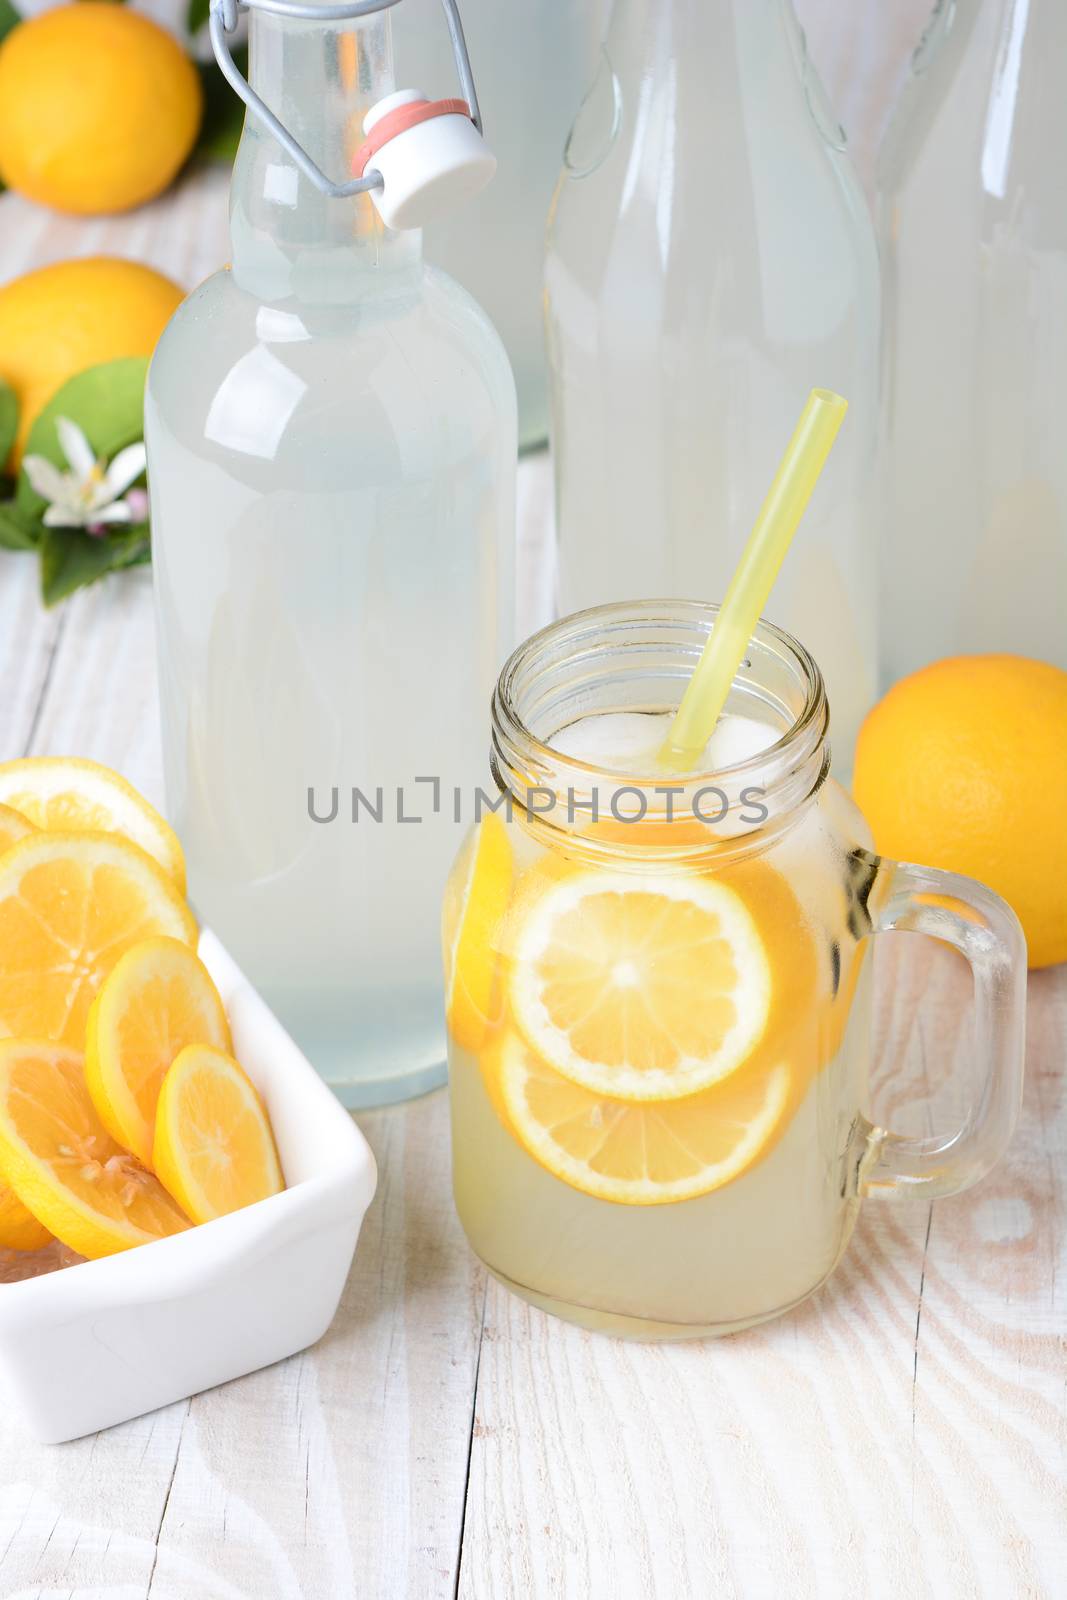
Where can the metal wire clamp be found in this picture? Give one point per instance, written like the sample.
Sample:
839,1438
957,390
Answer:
222,20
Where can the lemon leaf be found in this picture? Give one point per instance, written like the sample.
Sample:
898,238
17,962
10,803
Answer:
9,416
195,16
107,403
9,18
71,559
15,532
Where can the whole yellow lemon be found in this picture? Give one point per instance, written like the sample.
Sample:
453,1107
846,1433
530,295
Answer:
61,319
963,766
99,107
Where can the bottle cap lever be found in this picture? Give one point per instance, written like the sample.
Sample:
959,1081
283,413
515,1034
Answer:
429,155
223,20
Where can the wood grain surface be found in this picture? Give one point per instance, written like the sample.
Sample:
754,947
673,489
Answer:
902,1435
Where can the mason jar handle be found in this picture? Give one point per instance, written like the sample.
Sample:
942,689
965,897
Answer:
986,932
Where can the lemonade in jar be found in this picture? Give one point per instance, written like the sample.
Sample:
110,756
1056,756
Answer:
658,988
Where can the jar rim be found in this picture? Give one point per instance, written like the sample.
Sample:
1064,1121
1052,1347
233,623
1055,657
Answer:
812,718
573,662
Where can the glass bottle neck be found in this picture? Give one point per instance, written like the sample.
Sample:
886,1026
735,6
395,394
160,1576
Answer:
681,64
714,20
290,242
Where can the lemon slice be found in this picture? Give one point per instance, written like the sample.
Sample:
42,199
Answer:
641,1153
475,903
214,1149
640,986
158,998
71,904
63,792
62,1163
13,827
19,1228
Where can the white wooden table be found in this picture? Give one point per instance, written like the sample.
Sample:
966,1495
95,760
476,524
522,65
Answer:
901,1435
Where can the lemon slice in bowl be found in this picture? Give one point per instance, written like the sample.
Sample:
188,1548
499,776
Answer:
64,792
19,1228
475,902
214,1149
71,904
157,999
61,1162
13,827
641,1152
639,986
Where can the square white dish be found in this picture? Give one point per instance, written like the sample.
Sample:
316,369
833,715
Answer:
95,1344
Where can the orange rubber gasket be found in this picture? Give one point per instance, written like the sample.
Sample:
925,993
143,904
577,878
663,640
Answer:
399,121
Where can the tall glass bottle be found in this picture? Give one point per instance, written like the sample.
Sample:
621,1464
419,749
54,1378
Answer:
710,260
973,221
331,440
534,61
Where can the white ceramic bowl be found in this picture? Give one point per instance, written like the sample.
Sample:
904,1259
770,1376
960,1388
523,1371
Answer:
94,1344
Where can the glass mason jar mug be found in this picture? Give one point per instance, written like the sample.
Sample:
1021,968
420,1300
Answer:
659,990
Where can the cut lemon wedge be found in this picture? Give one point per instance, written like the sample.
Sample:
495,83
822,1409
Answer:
639,1153
13,827
475,903
639,986
158,998
63,1165
214,1150
65,793
71,904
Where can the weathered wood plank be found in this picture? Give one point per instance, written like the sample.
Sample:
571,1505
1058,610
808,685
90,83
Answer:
28,639
100,698
184,233
343,1471
82,1518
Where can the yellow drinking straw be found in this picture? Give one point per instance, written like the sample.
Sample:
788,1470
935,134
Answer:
751,584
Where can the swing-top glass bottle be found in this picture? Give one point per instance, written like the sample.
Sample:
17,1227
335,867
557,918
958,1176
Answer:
331,435
711,259
972,211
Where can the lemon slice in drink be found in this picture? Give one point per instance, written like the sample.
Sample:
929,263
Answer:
62,1163
158,998
63,792
475,903
641,1153
640,986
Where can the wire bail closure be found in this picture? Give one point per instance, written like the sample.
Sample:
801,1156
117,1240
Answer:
222,20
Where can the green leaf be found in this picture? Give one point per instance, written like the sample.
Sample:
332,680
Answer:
195,16
9,18
107,402
9,420
224,113
16,533
71,559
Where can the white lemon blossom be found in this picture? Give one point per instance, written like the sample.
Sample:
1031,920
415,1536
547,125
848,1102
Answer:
89,495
